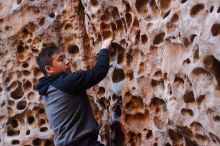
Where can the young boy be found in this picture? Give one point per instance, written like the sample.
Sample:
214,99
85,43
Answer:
64,95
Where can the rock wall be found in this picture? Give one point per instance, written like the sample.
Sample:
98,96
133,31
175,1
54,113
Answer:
163,87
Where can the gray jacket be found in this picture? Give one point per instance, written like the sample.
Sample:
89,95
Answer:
67,106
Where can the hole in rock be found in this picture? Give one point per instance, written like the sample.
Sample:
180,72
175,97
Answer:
158,75
20,49
214,138
190,142
113,27
115,13
135,102
119,25
188,97
138,118
52,15
185,112
15,142
175,18
141,5
128,18
183,1
192,37
211,9
41,22
48,143
187,61
120,50
159,123
117,106
18,92
68,26
118,137
201,75
30,120
94,2
26,72
31,95
157,83
164,4
196,9
21,105
25,65
137,36
156,104
196,126
101,91
134,138
130,75
12,85
178,80
159,38
149,134
104,17
14,123
174,136
141,67
201,137
27,132
41,122
27,85
73,49
104,26
216,118
41,111
118,75
153,6
166,14
196,54
37,72
200,99
144,38
43,129
12,132
37,142
24,33
129,57
103,102
215,29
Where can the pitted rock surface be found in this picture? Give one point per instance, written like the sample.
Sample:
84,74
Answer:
163,86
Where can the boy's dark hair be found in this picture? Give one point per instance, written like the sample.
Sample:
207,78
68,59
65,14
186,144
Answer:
44,57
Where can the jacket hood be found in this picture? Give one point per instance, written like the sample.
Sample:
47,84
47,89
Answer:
44,83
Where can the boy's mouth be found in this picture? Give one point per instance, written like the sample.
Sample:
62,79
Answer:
68,69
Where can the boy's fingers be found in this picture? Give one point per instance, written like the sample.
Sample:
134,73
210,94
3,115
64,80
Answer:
106,43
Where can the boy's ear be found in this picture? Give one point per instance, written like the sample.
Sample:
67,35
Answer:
49,69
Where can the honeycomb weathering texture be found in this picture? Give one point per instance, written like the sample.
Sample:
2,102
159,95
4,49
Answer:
163,86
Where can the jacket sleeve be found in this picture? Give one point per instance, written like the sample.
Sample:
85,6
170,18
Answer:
80,81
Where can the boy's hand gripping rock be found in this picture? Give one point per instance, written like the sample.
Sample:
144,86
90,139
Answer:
106,43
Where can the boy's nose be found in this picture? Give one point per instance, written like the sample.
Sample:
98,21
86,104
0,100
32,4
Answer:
67,62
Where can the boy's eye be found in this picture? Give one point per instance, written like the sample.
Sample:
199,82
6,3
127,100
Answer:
61,58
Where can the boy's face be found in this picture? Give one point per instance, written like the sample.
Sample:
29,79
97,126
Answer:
59,64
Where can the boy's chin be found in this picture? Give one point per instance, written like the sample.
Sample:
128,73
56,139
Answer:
68,71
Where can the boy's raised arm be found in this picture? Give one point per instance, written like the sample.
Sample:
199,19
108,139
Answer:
82,80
